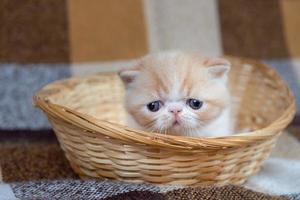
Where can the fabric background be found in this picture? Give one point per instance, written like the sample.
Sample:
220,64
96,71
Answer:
43,41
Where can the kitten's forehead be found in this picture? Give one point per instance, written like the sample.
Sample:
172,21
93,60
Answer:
174,92
173,78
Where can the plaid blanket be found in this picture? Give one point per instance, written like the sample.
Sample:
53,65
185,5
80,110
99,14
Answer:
112,190
43,41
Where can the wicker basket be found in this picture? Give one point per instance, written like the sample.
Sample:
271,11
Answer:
87,116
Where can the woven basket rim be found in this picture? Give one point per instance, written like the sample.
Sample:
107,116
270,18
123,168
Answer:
124,133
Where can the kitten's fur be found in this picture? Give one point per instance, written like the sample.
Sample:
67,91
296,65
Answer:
174,77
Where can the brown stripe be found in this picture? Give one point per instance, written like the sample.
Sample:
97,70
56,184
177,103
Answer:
102,30
296,120
27,135
252,28
2,31
294,128
33,161
32,155
215,192
33,31
135,195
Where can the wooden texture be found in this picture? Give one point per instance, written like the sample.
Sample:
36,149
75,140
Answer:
87,115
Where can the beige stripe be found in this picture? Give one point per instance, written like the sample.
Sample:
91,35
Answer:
187,25
291,22
152,30
90,68
103,30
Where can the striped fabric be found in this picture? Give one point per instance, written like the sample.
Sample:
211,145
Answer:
45,40
42,41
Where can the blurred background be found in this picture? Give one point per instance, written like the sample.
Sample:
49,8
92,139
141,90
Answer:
46,40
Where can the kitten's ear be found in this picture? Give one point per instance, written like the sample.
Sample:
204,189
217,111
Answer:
128,76
217,67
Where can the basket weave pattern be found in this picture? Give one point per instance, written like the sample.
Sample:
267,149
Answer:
88,118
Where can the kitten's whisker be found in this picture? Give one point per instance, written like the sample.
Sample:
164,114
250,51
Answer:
152,130
160,130
150,124
200,122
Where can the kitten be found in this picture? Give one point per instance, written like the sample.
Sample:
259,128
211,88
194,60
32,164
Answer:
180,94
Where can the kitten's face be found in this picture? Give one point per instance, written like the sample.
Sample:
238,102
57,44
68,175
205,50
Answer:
176,93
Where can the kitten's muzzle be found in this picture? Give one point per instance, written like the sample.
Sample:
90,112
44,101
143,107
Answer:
175,110
176,118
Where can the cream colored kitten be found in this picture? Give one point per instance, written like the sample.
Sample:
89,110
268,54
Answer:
180,94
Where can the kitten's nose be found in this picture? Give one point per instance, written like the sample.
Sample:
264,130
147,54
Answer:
175,110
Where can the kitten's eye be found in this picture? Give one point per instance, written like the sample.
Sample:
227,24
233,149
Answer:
154,106
194,103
